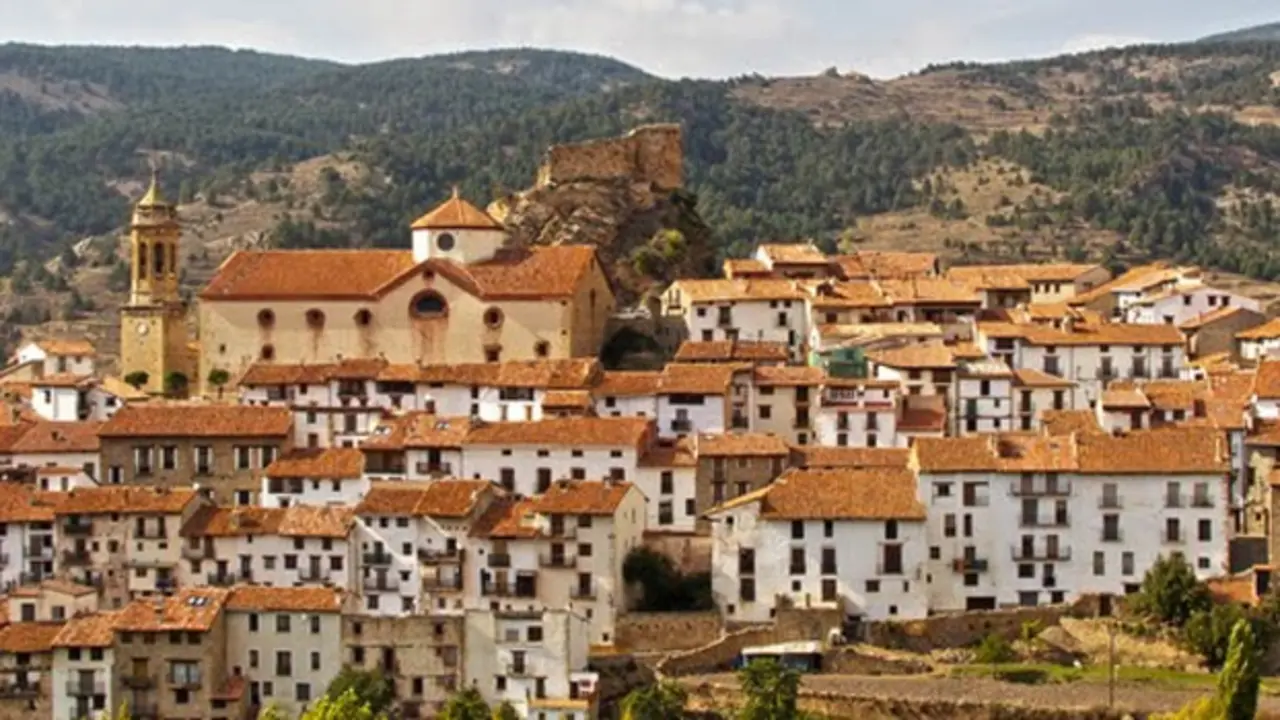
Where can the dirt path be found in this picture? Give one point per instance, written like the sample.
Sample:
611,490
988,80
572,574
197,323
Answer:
1082,695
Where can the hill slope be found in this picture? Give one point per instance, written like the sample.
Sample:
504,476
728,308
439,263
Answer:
1267,33
1118,155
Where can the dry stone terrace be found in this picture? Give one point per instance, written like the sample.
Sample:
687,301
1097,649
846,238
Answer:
412,460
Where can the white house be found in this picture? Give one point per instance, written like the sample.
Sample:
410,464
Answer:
844,538
536,660
83,676
1184,302
1027,520
277,547
564,549
1260,342
288,638
857,412
920,369
28,542
984,398
58,356
769,309
413,540
667,477
314,476
49,444
69,398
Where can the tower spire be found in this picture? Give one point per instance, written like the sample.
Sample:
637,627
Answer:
153,198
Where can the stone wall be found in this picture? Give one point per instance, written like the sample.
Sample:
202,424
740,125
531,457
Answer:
711,697
653,632
968,628
691,554
790,624
855,660
648,154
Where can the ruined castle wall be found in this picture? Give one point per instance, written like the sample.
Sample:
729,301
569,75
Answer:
650,153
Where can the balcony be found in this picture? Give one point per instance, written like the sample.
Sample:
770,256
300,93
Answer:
563,530
1201,501
582,593
77,528
77,688
497,589
382,583
499,560
19,690
438,557
1033,554
969,565
76,557
138,682
436,583
519,670
1177,537
1030,521
203,552
185,682
150,532
1113,536
1057,489
552,560
39,552
433,468
228,579
681,426
1174,501
1110,503
377,558
313,574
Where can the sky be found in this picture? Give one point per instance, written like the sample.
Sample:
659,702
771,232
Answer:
672,38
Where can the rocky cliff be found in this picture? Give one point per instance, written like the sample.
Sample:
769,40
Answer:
623,196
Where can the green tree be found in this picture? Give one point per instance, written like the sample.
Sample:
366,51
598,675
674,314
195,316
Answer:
1170,592
175,383
219,378
371,688
1208,632
994,649
770,691
505,711
1238,682
347,706
137,379
662,701
466,705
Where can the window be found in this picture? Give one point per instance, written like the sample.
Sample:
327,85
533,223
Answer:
1126,563
1205,531
429,304
315,319
942,489
445,242
244,458
1099,563
253,623
315,624
364,318
891,529
747,589
828,528
169,457
266,319
542,349
667,482
282,620
493,318
873,586
302,691
949,525
766,412
797,530
284,663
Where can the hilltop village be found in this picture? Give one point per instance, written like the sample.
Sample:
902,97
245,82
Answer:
413,460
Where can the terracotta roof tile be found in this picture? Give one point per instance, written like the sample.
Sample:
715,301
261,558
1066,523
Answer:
583,497
440,498
9,434
1270,330
271,374
698,378
583,431
797,253
834,295
1106,334
1031,272
538,272
922,418
561,374
59,437
882,493
63,587
456,214
1267,382
113,385
818,456
302,274
96,630
929,291
731,351
190,610
744,267
885,264
66,346
1166,451
1135,278
1124,398
64,380
1213,316
256,598
788,375
1182,395
1066,422
29,637
918,355
319,463
198,420
764,289
1264,433
574,399
507,518
19,504
628,384
676,453
418,430
293,521
741,445
125,499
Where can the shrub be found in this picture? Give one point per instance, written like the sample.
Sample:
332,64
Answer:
993,649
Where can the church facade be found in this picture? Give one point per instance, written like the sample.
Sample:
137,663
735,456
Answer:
458,296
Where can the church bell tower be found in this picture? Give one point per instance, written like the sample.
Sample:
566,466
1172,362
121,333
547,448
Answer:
153,323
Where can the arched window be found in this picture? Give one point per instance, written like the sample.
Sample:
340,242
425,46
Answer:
159,260
141,269
364,318
429,304
315,319
493,318
266,319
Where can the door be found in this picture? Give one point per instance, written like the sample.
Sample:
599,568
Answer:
315,567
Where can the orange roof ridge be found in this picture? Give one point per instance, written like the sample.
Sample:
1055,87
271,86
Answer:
456,214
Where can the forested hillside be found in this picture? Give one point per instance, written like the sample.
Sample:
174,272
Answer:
1156,151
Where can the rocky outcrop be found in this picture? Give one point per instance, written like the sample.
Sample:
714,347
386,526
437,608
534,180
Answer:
647,232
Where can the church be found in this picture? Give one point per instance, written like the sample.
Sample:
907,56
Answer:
458,295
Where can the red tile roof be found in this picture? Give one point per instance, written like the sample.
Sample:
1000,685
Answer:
58,437
198,420
440,498
255,598
190,610
456,214
125,499
837,494
29,637
320,463
582,431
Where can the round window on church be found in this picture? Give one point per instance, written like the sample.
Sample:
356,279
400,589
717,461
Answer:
445,242
364,318
315,319
493,318
268,352
429,304
266,319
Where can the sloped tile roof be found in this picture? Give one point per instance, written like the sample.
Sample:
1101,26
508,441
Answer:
96,630
320,463
440,498
583,497
59,437
1270,330
198,420
124,499
190,610
456,214
66,346
622,383
582,431
257,598
731,351
882,493
1066,422
299,274
819,456
29,637
741,445
1267,382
